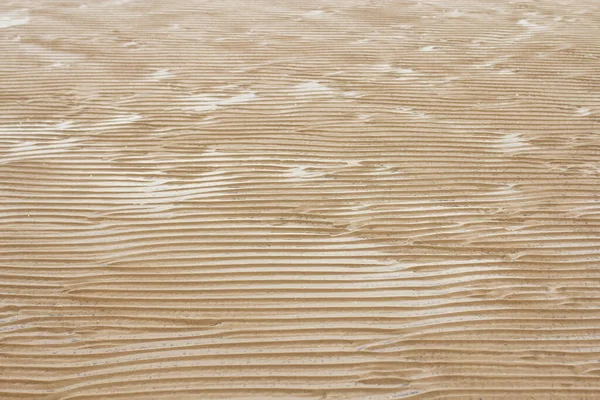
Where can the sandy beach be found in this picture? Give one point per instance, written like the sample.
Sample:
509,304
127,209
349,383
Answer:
269,199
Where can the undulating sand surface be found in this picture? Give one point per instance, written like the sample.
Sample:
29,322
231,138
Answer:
270,199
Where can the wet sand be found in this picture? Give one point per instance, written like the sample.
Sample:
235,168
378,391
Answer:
344,199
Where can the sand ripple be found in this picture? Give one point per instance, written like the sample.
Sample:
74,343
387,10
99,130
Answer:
343,199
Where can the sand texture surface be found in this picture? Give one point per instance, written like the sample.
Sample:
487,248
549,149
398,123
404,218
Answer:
268,199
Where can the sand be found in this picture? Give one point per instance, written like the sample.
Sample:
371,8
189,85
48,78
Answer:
268,199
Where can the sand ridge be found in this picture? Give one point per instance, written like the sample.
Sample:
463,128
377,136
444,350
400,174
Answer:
344,199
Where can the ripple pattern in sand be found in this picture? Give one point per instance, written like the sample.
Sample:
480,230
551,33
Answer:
343,199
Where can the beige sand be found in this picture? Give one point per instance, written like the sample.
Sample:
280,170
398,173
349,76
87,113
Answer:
273,199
